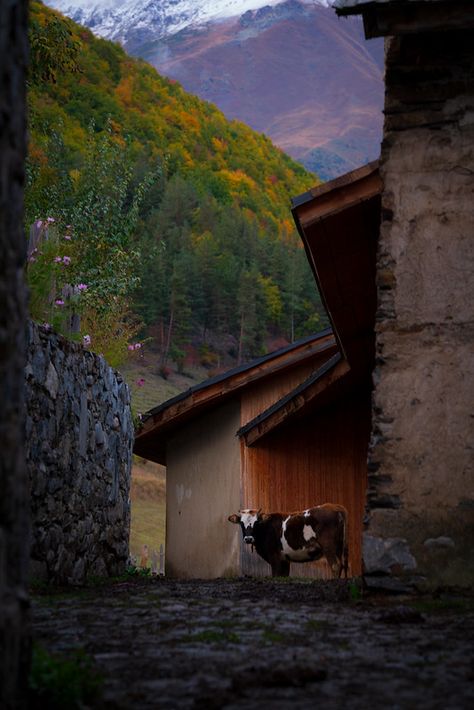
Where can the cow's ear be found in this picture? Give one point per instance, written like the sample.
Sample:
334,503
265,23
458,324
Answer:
234,518
264,517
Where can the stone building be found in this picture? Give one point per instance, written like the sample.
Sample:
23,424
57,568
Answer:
421,457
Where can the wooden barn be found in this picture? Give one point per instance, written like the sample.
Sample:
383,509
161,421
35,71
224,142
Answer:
288,430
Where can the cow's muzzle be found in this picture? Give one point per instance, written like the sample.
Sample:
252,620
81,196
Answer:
249,539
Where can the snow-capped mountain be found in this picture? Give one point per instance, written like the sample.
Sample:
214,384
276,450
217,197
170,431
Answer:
288,68
115,19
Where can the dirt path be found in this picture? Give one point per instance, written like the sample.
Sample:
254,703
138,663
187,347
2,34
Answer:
258,643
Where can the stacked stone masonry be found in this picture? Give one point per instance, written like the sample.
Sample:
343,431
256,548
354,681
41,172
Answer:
421,462
79,434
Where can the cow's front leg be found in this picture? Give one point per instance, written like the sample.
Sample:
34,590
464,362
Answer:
280,568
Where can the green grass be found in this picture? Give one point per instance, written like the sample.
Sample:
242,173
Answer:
148,496
60,682
147,526
271,636
433,606
155,389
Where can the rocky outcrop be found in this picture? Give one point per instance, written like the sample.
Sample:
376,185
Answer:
79,448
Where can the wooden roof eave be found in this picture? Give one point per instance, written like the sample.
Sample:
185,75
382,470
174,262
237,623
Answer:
151,439
350,203
292,404
206,395
382,19
337,196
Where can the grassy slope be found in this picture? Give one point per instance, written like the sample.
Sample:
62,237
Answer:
148,494
154,388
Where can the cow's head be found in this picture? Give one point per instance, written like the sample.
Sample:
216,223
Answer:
247,520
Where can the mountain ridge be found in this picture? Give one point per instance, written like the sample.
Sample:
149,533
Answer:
289,69
175,212
113,19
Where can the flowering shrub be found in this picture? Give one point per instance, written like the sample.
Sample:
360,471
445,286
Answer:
53,296
82,267
81,312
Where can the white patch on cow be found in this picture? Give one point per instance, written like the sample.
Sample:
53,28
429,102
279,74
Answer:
248,518
308,532
299,555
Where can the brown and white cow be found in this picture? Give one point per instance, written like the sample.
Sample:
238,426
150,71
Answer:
281,538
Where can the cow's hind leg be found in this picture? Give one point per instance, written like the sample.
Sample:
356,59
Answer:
335,564
281,568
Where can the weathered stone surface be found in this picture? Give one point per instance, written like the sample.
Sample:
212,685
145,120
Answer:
51,382
441,542
385,555
423,428
76,477
253,644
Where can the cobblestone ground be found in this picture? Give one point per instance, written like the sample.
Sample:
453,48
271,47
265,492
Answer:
260,643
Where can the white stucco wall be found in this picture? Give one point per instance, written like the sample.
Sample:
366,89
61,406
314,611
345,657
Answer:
202,490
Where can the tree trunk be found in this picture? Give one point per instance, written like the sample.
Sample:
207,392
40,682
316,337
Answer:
14,524
241,340
164,358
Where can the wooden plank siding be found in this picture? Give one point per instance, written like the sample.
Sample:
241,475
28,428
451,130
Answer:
263,394
319,459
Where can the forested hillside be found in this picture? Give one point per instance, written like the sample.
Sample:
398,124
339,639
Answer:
159,218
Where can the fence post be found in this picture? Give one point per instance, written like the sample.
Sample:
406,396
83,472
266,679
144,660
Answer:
162,561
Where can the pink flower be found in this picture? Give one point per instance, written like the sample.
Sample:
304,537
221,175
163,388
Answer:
66,260
68,237
59,302
130,347
82,287
137,346
50,220
140,382
57,259
86,340
47,326
31,259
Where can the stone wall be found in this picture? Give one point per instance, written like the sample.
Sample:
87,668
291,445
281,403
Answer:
79,434
421,462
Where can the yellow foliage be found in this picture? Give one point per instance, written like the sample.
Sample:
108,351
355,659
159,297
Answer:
272,296
75,176
123,91
237,179
219,144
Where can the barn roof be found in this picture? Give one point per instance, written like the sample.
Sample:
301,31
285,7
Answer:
161,422
395,17
339,225
319,386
